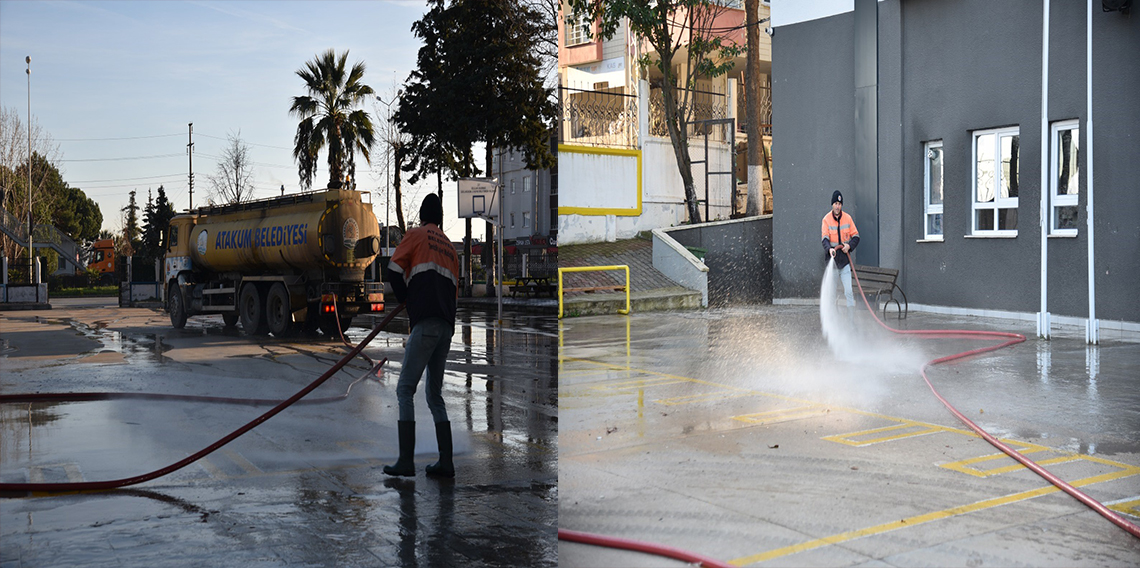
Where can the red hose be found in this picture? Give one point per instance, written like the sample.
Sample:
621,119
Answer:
637,546
112,484
1013,339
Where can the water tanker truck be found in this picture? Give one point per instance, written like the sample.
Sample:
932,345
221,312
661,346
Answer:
278,265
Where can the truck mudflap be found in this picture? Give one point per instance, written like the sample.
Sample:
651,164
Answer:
352,298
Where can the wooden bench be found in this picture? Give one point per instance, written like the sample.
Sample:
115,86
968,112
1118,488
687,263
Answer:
877,281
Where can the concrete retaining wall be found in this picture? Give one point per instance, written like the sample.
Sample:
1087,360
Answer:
738,257
675,261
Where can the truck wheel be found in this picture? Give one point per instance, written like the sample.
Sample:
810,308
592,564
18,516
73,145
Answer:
176,306
278,311
230,319
252,311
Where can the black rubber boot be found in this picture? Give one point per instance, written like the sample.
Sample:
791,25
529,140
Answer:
405,466
444,467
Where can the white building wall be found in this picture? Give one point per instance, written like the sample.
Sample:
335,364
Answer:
589,181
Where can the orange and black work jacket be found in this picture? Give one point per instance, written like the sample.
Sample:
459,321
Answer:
425,274
839,232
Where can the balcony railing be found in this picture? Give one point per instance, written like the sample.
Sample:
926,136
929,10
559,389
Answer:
598,118
701,105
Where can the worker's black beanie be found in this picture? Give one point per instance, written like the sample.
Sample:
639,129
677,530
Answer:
837,197
431,211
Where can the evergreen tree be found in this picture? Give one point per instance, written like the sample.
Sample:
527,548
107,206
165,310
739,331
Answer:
131,230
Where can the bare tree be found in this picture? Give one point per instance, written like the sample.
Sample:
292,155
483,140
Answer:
395,143
233,182
546,45
14,176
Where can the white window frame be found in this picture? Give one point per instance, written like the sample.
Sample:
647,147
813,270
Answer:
931,209
578,30
999,202
512,220
512,187
526,219
526,184
1056,200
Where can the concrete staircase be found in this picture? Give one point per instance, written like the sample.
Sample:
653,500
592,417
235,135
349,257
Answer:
43,236
650,290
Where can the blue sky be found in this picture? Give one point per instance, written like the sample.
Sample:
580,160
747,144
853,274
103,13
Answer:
116,83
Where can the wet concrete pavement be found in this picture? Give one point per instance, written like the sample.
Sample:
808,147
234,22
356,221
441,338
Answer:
304,488
741,435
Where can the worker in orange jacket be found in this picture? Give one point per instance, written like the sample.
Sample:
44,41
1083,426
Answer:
840,237
425,277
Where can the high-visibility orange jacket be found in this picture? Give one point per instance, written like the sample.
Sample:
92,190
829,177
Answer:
425,274
839,232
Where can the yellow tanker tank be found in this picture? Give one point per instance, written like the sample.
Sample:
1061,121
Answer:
332,229
277,265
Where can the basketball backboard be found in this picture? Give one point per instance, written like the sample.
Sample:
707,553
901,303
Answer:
477,197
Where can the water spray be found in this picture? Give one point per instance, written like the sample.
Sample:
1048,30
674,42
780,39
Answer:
1010,339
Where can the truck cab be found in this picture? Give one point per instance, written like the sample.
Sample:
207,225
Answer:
103,257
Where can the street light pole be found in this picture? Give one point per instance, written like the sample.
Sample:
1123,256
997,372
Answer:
387,172
31,248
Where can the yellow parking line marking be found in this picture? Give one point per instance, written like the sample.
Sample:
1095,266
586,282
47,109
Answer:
702,397
963,466
1128,506
242,462
636,384
926,518
782,415
36,473
850,438
211,469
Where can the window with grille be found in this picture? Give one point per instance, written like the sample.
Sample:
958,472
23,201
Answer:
577,30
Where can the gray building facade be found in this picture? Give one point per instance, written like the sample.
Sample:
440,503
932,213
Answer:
526,196
952,108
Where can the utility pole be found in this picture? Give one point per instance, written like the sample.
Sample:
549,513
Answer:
190,153
752,94
31,249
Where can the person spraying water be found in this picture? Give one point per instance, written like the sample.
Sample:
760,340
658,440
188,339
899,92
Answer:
840,237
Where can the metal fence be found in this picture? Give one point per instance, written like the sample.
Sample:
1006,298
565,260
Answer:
598,118
765,109
701,105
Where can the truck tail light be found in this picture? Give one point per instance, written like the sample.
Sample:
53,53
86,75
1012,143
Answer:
377,307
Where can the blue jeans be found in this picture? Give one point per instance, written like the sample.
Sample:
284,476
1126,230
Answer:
845,277
428,346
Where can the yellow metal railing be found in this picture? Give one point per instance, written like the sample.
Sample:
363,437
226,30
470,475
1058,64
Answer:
561,290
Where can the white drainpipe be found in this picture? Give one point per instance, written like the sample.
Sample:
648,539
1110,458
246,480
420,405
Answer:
1043,315
1092,327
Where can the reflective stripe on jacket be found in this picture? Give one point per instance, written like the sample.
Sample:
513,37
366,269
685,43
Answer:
838,232
425,274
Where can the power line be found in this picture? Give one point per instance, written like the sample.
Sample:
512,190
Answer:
127,158
251,163
250,143
105,139
126,179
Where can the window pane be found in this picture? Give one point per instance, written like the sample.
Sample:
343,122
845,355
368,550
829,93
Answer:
1007,219
1066,217
985,219
1068,172
1009,166
935,157
984,168
934,224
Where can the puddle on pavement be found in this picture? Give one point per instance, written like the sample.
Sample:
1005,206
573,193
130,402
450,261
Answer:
135,347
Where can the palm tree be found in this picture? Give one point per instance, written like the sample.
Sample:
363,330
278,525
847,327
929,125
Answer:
329,116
